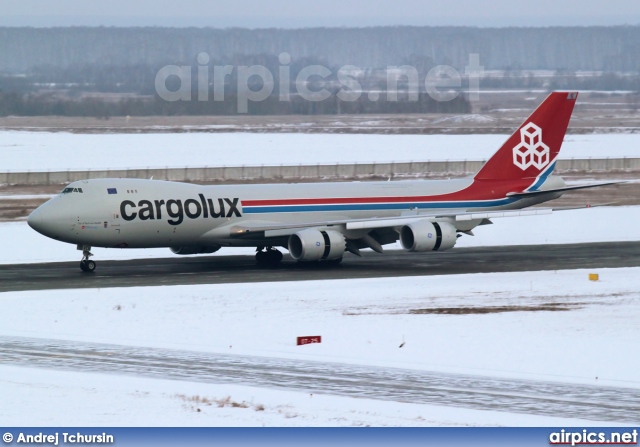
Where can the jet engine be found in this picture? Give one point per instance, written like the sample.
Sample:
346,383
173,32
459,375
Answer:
195,249
317,245
425,235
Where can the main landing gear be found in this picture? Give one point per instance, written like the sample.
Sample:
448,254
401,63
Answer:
269,257
86,265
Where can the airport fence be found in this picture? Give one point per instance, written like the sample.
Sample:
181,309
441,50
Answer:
304,172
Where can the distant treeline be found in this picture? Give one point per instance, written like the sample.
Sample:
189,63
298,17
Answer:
141,81
39,105
102,72
605,48
563,79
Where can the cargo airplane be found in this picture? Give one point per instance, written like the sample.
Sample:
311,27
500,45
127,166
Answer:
315,221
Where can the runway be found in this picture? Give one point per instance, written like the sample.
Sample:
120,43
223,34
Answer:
596,403
239,269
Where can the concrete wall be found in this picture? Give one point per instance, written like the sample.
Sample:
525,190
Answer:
347,171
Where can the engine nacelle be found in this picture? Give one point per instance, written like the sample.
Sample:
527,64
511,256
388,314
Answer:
195,249
317,245
425,235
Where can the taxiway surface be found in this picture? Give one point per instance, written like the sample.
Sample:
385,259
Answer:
219,269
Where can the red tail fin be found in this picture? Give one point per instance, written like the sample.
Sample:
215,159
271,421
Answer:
534,147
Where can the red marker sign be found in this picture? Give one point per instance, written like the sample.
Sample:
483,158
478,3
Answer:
308,340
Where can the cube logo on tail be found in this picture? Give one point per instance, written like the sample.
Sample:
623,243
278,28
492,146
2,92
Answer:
531,151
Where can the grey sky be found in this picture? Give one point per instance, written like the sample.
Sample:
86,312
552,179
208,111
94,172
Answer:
303,13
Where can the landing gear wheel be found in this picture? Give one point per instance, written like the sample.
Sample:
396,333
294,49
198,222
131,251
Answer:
261,258
274,256
269,258
86,265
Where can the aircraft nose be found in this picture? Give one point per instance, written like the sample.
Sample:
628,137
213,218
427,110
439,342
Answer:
50,220
35,220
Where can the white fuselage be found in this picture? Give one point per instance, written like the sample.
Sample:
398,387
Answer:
138,213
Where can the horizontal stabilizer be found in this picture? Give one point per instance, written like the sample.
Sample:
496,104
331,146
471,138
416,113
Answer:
550,191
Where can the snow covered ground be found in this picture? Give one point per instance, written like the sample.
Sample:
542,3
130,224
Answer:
41,151
41,397
21,244
592,341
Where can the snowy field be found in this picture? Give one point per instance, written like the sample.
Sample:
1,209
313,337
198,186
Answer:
41,151
21,244
592,341
41,397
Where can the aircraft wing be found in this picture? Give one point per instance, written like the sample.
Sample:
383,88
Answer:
281,229
382,222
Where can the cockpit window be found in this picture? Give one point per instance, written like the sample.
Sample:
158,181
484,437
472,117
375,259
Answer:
68,190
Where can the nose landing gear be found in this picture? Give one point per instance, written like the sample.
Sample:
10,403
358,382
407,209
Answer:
86,265
269,257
